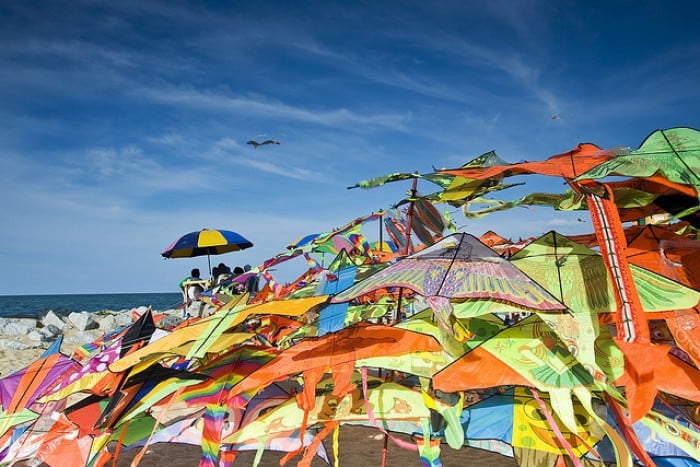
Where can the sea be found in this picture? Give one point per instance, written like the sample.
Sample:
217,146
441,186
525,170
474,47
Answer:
35,306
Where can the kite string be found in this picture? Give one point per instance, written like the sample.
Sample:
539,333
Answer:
557,432
142,452
452,262
373,421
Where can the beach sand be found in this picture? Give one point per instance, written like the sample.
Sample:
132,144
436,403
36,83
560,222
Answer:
357,445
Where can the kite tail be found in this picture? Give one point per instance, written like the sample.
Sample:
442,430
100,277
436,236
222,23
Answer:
312,448
428,448
306,400
630,321
628,432
555,428
228,458
120,443
302,430
211,435
443,311
274,286
311,261
137,459
632,327
360,242
429,216
422,232
449,225
397,232
373,421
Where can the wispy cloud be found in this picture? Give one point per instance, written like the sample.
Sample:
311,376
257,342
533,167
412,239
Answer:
282,170
267,108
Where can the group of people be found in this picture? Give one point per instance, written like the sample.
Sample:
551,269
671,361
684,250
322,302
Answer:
221,273
193,285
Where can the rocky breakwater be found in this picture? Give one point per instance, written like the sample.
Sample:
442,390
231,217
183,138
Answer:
77,328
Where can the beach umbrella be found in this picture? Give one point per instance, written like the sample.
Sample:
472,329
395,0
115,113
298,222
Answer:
206,242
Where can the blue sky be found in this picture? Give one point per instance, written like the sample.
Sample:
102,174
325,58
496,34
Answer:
124,124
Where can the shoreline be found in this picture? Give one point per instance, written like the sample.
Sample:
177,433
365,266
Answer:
35,306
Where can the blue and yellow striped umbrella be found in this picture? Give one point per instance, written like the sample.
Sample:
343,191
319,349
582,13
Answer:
206,242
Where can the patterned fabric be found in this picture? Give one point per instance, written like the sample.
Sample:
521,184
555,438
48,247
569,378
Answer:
632,328
211,435
673,153
630,321
459,266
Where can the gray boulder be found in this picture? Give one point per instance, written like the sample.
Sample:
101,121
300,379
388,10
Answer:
35,336
123,318
83,321
107,322
50,332
170,321
52,319
82,337
13,344
17,326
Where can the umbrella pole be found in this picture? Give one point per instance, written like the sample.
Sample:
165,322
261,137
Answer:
209,265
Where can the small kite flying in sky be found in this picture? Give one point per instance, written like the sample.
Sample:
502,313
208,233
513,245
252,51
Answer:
255,144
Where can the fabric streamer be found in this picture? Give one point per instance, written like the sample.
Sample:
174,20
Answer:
211,435
628,432
373,421
555,428
632,327
623,456
120,442
336,445
429,449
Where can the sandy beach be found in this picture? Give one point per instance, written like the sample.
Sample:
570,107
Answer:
357,446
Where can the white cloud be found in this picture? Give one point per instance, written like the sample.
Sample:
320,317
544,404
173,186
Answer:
265,108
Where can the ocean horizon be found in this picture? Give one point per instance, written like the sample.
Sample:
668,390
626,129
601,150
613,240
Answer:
33,306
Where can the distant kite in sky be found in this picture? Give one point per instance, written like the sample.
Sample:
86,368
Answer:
255,144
